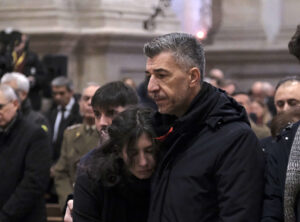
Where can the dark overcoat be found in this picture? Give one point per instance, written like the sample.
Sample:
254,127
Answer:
212,166
24,171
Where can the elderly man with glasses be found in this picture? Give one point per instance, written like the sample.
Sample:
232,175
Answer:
24,163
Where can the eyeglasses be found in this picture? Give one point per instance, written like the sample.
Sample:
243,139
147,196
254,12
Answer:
3,105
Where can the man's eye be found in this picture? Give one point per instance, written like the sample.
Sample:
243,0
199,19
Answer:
160,76
293,102
110,113
280,104
97,114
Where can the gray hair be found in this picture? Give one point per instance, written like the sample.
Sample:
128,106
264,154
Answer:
186,49
8,92
63,81
21,80
88,84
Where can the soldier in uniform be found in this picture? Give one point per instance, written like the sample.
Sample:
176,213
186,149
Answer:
78,140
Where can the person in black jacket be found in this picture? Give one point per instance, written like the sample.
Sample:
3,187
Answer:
282,175
211,167
24,163
27,62
64,113
113,184
21,85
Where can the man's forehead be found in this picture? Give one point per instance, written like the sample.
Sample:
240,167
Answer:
2,98
59,88
90,91
290,84
286,88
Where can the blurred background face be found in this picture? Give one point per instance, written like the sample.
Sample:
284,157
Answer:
61,95
86,108
19,48
243,100
258,109
143,161
287,96
8,110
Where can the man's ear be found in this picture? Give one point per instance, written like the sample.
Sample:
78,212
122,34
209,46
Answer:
195,76
16,103
22,95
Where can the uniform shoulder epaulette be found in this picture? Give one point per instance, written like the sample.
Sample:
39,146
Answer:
75,126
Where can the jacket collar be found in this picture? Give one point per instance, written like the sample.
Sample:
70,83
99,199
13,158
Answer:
211,107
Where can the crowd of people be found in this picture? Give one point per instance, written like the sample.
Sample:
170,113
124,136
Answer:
181,146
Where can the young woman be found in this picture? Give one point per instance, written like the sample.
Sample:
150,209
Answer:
114,180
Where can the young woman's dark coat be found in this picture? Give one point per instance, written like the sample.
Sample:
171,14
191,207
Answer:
127,201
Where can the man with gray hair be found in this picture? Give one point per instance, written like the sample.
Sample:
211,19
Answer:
24,163
20,83
64,113
211,168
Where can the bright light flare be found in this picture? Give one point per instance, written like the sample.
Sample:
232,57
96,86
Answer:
201,35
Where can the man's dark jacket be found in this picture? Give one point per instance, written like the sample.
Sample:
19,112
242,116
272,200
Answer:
277,157
72,119
33,116
24,171
34,67
212,166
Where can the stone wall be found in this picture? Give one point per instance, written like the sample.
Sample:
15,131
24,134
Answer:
102,39
252,40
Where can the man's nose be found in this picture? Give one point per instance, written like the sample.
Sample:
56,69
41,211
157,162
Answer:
286,107
104,120
153,84
90,101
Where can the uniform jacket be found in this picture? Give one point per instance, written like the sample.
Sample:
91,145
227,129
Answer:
72,119
77,141
211,168
24,172
277,157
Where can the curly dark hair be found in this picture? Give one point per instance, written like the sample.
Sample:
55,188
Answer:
106,163
294,44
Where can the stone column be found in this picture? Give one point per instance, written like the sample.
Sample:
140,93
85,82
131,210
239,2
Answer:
241,22
289,20
251,43
103,39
